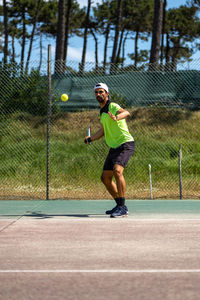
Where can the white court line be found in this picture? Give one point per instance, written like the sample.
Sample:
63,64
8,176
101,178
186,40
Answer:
142,219
106,271
178,217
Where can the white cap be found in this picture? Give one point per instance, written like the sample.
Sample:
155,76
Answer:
101,86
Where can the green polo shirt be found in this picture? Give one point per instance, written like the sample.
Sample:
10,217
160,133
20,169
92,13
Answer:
115,132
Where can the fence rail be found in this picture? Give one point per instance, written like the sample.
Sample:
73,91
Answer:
164,108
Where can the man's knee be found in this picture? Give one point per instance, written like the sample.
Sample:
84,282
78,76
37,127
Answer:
105,178
118,171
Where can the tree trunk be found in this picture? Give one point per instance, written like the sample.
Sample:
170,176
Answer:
96,51
117,30
176,48
59,68
163,33
32,34
82,65
156,34
106,47
40,63
23,40
67,28
136,48
167,55
123,51
5,23
13,49
13,56
120,46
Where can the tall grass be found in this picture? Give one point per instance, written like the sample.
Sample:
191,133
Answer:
74,165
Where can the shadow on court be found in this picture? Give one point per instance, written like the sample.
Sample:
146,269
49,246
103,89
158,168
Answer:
47,216
72,250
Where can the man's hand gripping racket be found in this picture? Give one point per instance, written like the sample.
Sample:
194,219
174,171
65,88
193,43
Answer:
88,139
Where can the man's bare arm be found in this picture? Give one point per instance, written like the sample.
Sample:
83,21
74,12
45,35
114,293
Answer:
98,134
121,114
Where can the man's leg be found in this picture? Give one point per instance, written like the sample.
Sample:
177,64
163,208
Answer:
122,210
107,179
120,181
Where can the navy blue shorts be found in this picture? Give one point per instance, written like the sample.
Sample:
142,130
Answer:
119,156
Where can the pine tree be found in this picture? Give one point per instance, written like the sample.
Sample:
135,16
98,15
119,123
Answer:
60,39
86,25
156,34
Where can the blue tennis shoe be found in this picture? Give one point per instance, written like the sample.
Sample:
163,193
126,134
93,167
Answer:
110,212
120,211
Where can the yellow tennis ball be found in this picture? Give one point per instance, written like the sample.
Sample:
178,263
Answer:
64,97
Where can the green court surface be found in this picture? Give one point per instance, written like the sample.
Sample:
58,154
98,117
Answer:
96,208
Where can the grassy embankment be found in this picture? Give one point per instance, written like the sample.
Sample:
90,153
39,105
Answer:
76,167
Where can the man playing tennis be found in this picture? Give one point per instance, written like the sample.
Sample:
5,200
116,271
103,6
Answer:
121,143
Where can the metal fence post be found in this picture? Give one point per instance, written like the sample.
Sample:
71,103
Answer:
150,182
180,171
49,102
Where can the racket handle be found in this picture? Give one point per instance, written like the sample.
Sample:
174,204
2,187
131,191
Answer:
89,132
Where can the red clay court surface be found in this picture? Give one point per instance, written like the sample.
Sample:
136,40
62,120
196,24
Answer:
72,250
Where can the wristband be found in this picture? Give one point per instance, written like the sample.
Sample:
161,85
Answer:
89,139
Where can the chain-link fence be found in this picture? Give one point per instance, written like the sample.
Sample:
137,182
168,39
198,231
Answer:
164,107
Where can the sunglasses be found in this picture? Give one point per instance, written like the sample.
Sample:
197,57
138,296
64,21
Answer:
99,92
